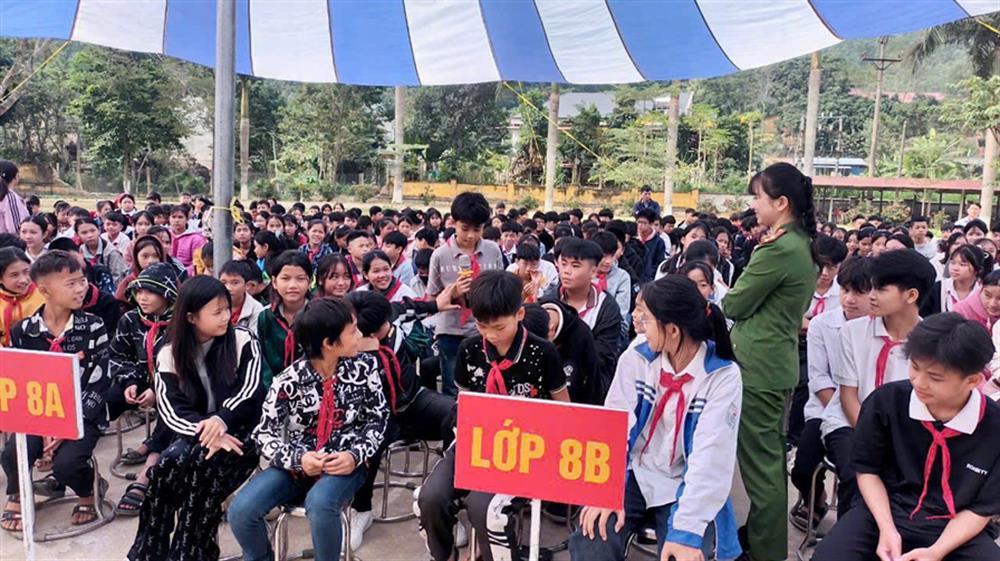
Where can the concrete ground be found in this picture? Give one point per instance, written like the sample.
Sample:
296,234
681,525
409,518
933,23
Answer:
383,542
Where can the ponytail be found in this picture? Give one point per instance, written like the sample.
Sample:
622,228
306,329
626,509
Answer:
785,180
8,172
675,299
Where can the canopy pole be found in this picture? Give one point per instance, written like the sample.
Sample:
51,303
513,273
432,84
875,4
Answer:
222,153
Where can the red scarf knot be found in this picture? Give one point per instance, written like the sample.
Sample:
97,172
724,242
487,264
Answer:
149,342
288,353
329,415
55,344
672,385
602,283
939,439
495,383
883,359
820,306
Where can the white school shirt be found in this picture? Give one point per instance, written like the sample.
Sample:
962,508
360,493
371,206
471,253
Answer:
823,357
707,473
404,291
549,275
824,302
950,297
861,342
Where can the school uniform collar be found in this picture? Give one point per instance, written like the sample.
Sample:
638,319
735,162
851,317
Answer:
965,422
832,292
696,368
248,307
878,327
457,251
513,353
35,326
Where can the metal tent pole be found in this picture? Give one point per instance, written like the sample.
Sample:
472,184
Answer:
222,160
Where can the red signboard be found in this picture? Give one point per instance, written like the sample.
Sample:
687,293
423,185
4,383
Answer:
547,450
40,393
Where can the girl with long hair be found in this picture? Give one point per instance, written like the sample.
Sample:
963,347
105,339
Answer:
333,276
13,211
144,252
377,269
209,392
767,304
682,387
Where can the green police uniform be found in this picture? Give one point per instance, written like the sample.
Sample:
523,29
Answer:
767,305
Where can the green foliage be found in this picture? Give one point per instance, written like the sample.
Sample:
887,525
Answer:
529,158
895,212
125,105
935,156
980,108
527,201
585,126
364,192
457,123
266,102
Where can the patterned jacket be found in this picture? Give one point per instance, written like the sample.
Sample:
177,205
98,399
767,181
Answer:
290,418
130,362
84,336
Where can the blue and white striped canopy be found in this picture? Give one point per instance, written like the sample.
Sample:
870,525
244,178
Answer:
431,42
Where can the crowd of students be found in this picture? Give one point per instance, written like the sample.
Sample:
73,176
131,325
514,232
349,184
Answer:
333,333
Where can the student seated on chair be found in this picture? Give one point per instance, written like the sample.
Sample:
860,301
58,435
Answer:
926,458
505,359
682,388
208,392
323,420
61,326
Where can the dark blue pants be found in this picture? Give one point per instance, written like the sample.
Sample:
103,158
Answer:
637,516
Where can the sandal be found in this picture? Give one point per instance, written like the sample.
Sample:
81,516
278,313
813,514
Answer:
83,514
49,486
44,463
8,516
132,458
131,501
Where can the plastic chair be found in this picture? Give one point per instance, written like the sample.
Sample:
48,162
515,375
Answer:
105,511
298,511
147,419
819,474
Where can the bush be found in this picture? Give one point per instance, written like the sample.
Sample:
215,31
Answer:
527,201
364,192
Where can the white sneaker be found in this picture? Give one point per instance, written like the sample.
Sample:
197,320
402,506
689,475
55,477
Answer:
360,522
461,535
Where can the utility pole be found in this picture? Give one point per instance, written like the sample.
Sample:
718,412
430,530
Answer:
673,120
244,141
812,108
552,149
881,64
902,151
397,163
222,148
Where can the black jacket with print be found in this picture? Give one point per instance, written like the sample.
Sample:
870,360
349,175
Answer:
290,418
128,364
238,403
84,336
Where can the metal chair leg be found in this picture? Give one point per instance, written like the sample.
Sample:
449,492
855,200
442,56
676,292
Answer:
105,511
387,484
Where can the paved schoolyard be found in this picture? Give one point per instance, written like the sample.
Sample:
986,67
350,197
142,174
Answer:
383,542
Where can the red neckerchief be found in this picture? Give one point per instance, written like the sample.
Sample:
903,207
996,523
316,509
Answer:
394,285
330,417
883,359
356,277
601,283
672,386
14,308
149,342
313,253
939,439
288,355
587,307
92,296
393,373
234,317
495,384
820,306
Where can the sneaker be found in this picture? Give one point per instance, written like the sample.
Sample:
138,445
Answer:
461,535
360,522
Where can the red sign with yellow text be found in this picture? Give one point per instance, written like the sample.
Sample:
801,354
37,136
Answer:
547,450
40,394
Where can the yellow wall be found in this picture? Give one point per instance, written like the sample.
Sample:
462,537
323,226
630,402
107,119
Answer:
510,194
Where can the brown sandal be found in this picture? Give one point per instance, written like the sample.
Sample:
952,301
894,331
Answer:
84,514
8,515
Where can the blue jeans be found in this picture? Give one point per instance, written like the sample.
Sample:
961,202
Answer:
637,516
323,501
447,346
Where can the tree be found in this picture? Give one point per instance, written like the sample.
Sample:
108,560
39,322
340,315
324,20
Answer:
585,126
18,60
981,43
323,128
457,123
750,120
126,107
636,153
528,160
934,156
980,110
